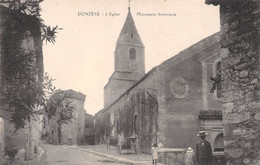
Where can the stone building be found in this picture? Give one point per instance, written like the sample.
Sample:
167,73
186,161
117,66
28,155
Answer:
73,132
28,27
240,34
170,103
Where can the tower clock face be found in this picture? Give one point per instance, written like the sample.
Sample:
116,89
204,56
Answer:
179,87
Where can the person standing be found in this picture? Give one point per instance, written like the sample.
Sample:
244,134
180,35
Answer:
189,157
107,139
155,153
203,152
119,143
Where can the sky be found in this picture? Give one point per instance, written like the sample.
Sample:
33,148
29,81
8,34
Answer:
82,58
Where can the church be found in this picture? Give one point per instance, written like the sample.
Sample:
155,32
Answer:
170,103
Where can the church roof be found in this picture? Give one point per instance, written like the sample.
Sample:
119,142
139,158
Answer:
129,33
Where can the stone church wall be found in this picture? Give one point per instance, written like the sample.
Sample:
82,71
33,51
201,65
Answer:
180,94
135,111
114,89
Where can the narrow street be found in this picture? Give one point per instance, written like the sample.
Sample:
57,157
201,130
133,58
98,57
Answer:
63,155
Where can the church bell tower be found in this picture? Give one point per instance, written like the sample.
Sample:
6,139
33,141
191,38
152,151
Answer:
129,62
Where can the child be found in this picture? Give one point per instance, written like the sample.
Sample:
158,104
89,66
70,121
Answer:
119,143
189,157
155,153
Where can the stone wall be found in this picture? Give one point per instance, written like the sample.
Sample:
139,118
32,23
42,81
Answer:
176,156
171,156
240,33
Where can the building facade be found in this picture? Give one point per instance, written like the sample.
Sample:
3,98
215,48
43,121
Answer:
73,132
170,103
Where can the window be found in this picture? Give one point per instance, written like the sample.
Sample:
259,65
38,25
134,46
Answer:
117,125
132,53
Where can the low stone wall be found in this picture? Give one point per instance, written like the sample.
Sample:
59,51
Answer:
171,156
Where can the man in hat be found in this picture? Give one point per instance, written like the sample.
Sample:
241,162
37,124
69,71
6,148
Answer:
203,152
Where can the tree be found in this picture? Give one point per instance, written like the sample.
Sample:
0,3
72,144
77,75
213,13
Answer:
23,90
59,106
56,105
59,109
32,8
215,82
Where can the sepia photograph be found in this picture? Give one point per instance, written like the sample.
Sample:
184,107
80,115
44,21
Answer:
129,82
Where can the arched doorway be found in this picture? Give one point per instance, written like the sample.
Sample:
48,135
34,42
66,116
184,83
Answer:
135,124
52,136
219,143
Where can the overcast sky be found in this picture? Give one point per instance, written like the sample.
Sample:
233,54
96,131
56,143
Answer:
82,58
